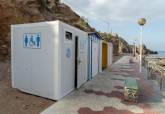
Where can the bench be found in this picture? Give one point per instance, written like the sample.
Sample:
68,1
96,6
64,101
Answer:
131,90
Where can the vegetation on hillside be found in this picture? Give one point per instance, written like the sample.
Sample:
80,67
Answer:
119,44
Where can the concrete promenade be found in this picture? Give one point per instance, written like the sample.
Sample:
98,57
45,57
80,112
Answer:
104,94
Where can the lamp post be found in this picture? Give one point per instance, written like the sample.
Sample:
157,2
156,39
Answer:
134,53
135,49
141,22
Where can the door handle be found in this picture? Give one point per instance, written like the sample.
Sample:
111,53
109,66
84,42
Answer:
78,61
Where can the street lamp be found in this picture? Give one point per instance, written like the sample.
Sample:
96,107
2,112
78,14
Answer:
141,22
135,49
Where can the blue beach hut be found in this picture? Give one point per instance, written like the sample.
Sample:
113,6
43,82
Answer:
94,54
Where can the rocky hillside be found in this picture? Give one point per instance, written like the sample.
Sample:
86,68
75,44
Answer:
28,11
119,44
146,50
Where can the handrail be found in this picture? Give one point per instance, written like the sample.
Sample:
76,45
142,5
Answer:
153,65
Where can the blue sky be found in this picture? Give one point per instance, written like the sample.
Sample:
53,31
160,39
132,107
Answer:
122,16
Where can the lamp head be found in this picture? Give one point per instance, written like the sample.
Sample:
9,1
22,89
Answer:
142,21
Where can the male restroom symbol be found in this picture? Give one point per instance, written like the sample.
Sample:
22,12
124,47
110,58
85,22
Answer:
26,41
38,40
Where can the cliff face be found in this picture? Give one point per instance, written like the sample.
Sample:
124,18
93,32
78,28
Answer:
120,46
28,11
146,50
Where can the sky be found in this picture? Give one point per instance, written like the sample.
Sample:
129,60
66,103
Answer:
121,17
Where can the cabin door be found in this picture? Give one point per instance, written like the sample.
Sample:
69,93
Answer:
104,56
80,61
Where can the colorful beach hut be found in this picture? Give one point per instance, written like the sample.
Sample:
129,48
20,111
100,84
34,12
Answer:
107,54
94,54
105,50
110,54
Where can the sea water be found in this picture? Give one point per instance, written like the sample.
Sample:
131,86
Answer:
161,53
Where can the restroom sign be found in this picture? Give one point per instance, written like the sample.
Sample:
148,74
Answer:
68,53
32,40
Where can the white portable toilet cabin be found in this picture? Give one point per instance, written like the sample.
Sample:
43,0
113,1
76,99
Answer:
49,59
110,54
94,54
107,54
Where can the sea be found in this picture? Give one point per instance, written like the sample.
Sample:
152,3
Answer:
161,53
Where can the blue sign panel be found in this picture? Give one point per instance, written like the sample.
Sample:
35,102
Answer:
32,40
68,53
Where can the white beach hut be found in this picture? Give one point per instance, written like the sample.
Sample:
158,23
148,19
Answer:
49,59
107,54
94,54
110,54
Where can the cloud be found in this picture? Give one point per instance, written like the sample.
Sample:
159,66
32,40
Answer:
118,10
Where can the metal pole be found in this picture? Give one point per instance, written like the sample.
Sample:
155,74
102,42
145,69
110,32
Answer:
135,48
141,43
141,22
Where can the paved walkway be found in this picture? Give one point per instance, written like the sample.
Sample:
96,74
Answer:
104,94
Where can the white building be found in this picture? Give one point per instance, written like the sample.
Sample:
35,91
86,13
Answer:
94,54
49,59
110,54
107,54
100,54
